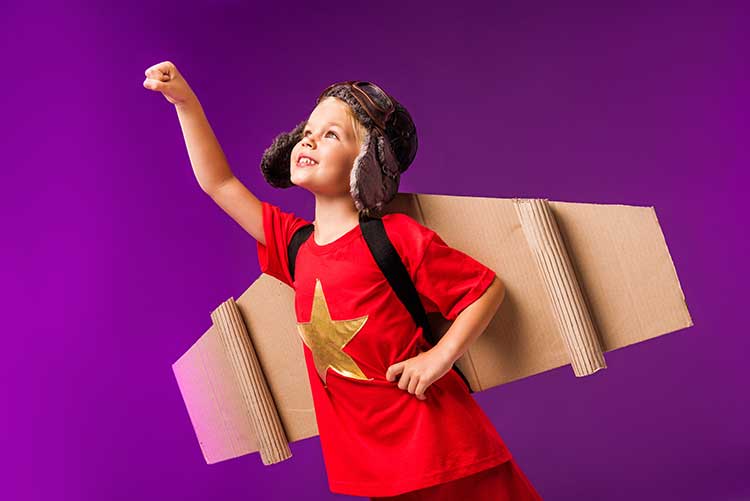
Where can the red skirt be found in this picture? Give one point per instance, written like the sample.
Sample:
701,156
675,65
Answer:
504,482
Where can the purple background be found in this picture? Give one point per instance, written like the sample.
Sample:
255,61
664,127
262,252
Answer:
114,257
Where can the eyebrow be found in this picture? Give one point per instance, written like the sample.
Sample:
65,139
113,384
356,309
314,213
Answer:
344,132
331,122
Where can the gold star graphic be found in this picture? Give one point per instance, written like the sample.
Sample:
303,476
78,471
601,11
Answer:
326,337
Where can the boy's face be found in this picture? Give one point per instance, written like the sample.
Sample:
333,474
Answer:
329,139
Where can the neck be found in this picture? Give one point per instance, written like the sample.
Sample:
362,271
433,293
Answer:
334,216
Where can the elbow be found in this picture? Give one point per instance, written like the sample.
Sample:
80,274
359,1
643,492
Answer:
214,188
498,291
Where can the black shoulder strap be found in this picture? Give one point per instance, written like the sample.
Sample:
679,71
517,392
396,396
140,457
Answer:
300,236
395,272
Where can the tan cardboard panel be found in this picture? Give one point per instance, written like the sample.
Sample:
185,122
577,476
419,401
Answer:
617,257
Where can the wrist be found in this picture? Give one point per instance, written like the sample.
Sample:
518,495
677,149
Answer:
190,102
447,351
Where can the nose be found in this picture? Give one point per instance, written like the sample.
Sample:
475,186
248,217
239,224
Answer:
306,139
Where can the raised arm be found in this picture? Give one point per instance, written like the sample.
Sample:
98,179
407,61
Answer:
209,163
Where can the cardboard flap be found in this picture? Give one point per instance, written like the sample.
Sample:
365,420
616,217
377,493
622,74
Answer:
621,261
618,255
212,393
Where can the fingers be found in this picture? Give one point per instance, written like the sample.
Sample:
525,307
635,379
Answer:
158,74
163,71
396,370
393,371
410,382
152,84
412,386
419,388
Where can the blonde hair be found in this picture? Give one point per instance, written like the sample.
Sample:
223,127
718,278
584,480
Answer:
359,129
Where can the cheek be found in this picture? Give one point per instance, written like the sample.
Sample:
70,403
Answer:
335,168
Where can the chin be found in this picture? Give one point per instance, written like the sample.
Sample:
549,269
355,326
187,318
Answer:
301,181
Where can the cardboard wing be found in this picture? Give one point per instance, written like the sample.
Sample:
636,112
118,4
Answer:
581,280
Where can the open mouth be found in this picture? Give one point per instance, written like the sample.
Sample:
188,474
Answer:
304,162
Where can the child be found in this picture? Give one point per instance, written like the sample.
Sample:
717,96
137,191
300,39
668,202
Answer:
395,422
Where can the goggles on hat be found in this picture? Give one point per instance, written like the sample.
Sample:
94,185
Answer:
367,95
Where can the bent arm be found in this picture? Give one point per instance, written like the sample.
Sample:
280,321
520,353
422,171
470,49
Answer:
471,322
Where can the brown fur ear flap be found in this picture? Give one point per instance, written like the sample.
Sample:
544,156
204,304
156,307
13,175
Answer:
375,175
276,161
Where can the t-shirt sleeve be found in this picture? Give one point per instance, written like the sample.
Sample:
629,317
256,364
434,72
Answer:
447,279
278,228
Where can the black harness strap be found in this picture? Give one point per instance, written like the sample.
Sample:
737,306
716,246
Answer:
299,237
392,266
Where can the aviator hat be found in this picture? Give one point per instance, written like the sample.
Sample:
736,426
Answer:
389,146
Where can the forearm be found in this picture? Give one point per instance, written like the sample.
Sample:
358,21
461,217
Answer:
472,322
210,166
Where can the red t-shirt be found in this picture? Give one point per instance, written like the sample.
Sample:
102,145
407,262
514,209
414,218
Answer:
377,439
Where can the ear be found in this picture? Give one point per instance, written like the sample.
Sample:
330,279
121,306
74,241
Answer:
375,175
277,158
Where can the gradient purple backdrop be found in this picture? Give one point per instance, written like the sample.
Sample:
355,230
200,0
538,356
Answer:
114,257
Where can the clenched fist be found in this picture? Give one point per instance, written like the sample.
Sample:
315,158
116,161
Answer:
164,77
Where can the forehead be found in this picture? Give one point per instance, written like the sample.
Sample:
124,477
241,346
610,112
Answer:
331,110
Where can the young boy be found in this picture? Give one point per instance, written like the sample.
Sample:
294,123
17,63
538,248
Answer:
395,422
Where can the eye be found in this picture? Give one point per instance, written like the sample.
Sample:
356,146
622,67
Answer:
329,132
